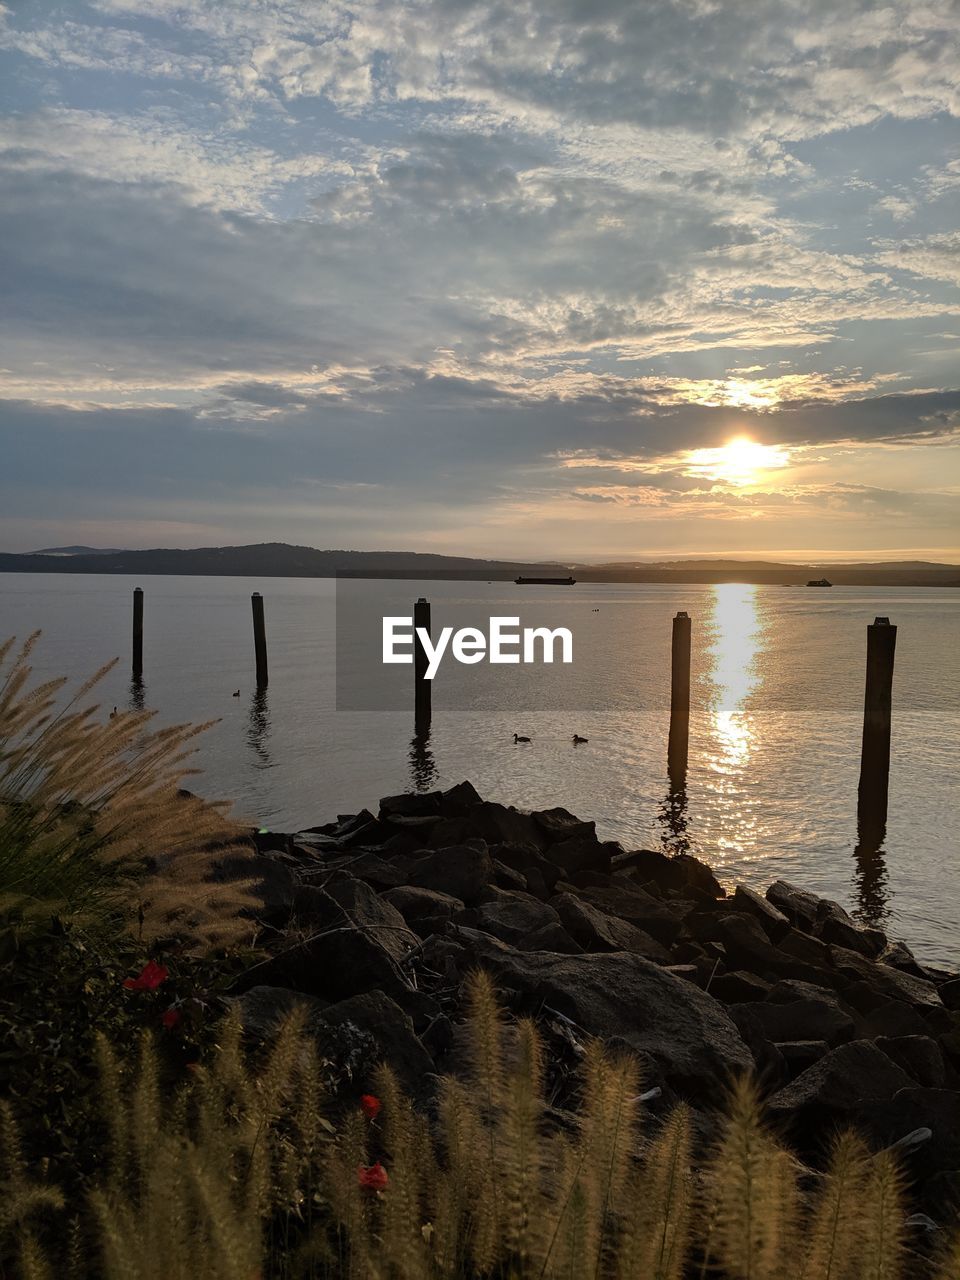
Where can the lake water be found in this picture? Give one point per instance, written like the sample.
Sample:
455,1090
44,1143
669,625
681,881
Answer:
774,738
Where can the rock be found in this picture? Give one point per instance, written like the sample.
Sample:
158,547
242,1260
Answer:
262,1009
746,944
676,874
596,930
631,903
950,994
342,960
463,871
838,1087
414,904
551,937
789,989
541,876
380,1017
505,877
503,824
799,906
915,1108
459,800
411,805
558,825
899,956
514,916
834,925
894,1018
919,1056
378,871
888,983
373,914
775,924
800,1020
684,1031
739,987
580,854
798,1055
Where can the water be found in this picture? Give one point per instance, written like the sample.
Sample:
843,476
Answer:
775,724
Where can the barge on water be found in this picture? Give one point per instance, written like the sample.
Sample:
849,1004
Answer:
545,582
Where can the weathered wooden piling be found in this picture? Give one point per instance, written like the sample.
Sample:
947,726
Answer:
877,707
422,701
137,632
679,699
259,639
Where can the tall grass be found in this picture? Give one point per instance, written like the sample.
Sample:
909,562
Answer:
237,1173
94,825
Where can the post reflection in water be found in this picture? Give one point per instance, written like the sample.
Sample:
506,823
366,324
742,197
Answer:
737,642
871,877
672,814
423,769
138,694
259,729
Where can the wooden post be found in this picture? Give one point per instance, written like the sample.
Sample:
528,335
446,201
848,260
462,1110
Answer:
877,706
679,698
137,632
422,708
259,639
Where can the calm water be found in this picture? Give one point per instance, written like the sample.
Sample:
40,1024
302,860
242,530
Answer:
775,727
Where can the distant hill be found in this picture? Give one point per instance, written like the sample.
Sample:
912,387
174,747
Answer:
77,551
280,560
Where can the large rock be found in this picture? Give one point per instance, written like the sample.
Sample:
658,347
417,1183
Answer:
263,1008
539,874
636,906
512,917
799,1020
919,1056
888,983
838,1087
613,994
798,905
596,930
378,1016
580,854
463,871
559,825
416,904
775,924
679,874
373,914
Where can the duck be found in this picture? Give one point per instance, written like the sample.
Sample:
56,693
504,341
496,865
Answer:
518,737
237,694
113,713
577,739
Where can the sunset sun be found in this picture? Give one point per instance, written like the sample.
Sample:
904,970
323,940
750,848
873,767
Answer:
740,461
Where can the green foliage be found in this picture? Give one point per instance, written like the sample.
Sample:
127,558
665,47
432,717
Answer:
232,1170
59,991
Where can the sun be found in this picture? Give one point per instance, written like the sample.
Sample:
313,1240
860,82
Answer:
740,461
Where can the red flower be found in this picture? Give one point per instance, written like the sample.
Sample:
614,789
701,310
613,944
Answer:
149,977
171,1019
374,1178
370,1106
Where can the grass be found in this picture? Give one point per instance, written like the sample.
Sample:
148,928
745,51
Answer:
236,1170
94,824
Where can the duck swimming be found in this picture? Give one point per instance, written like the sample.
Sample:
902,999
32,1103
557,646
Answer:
577,739
237,694
518,737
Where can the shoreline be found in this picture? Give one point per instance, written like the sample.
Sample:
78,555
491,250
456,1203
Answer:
378,918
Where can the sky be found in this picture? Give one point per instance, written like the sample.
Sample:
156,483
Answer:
594,279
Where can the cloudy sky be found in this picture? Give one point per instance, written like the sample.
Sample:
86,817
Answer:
486,276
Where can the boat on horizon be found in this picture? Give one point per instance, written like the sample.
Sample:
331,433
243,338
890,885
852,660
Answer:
545,582
819,582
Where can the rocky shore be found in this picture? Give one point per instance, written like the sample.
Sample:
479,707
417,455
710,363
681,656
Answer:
374,920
